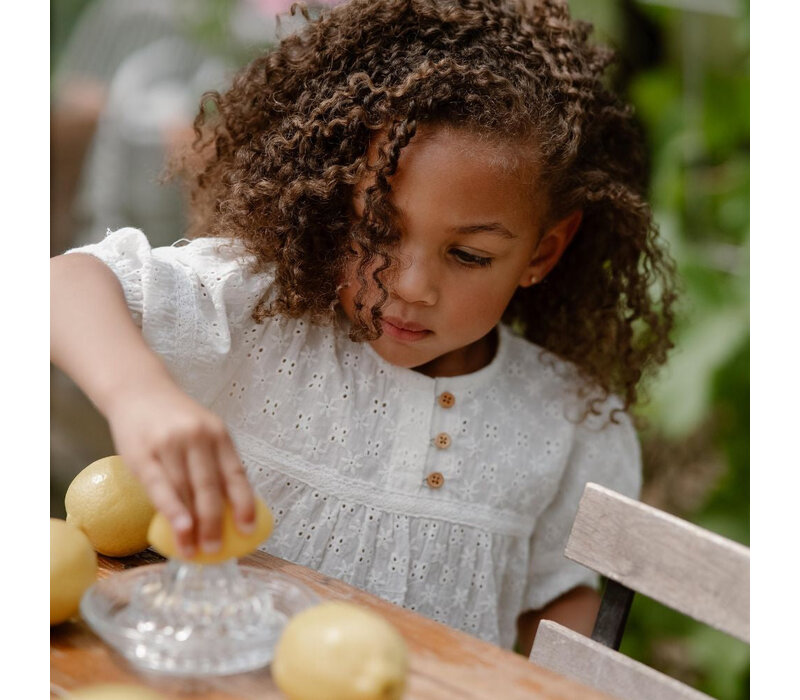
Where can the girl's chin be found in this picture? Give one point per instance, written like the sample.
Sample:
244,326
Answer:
399,354
428,363
424,358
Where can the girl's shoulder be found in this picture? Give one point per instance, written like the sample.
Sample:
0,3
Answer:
558,385
526,364
195,280
131,245
214,262
603,442
209,253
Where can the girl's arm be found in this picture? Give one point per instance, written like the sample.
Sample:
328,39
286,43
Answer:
180,451
576,609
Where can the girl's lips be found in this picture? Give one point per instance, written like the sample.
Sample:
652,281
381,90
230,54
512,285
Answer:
404,330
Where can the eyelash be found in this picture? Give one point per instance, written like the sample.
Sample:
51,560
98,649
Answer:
470,260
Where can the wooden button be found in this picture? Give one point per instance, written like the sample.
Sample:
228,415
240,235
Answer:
442,441
435,480
446,399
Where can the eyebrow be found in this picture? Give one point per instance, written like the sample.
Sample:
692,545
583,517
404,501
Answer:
488,227
491,227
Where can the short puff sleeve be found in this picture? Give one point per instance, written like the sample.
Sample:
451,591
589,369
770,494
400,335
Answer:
191,301
604,451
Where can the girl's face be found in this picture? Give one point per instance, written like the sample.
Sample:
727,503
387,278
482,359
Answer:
470,235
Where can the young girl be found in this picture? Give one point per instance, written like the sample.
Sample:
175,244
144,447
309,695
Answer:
414,310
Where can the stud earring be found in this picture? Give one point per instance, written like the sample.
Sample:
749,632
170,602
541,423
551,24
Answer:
534,279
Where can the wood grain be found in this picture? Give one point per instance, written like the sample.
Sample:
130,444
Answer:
445,664
589,662
665,558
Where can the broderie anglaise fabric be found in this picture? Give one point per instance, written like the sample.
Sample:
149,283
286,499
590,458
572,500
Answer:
340,443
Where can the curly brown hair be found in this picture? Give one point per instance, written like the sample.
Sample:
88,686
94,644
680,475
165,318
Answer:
283,148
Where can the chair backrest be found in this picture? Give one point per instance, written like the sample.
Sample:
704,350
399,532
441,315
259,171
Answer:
640,548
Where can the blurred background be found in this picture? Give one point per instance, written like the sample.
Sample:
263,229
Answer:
126,78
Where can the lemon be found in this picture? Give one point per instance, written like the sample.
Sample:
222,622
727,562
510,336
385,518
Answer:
109,504
234,543
340,651
114,691
73,568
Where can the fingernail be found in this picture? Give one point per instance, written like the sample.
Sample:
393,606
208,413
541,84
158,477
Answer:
183,523
212,546
247,528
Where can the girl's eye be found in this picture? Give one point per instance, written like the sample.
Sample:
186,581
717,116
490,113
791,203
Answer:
471,260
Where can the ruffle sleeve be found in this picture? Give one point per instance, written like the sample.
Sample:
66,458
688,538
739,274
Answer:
192,300
605,452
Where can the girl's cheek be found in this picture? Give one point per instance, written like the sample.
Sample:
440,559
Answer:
475,304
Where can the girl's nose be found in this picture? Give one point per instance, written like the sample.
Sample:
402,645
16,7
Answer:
416,281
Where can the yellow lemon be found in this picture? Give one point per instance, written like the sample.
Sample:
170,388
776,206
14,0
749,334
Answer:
73,568
340,651
115,691
110,505
234,543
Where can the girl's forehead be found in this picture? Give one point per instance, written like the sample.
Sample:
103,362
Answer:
455,178
451,146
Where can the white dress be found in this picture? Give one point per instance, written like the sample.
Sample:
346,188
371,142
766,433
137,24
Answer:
449,496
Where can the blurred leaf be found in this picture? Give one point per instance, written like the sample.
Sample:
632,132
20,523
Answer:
657,96
682,397
728,508
726,112
64,14
725,661
694,108
604,15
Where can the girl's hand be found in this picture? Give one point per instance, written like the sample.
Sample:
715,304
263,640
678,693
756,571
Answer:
180,451
183,455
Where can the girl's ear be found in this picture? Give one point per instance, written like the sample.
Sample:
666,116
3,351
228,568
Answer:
550,248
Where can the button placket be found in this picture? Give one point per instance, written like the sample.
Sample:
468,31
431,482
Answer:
440,440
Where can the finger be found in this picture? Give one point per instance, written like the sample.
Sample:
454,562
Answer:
167,501
237,487
208,495
176,470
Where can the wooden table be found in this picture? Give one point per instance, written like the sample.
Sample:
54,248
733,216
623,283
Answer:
445,663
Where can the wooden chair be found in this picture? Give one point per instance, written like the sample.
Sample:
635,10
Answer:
642,549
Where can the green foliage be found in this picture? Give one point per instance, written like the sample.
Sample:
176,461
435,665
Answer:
728,508
63,16
699,655
209,26
694,107
709,660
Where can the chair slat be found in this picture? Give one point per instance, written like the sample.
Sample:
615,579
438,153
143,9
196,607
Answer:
668,559
582,659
